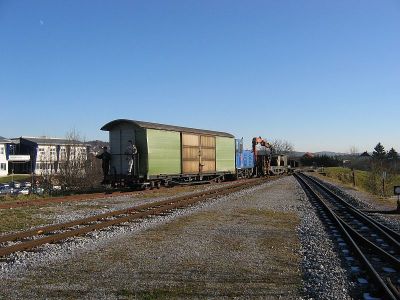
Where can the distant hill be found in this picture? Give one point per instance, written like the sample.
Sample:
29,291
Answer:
329,153
320,153
297,154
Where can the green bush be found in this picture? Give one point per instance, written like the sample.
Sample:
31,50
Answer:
370,181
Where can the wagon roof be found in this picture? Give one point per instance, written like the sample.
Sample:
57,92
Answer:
149,125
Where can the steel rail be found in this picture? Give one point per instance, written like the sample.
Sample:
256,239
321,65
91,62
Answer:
384,230
368,244
381,284
110,219
61,226
392,235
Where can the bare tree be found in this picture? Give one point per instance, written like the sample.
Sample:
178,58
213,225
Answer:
281,146
77,168
47,171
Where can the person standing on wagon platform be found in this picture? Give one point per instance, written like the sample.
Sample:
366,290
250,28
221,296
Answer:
130,152
105,158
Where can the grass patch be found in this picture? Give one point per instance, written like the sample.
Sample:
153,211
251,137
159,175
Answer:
366,181
20,218
151,294
279,220
19,198
214,264
17,177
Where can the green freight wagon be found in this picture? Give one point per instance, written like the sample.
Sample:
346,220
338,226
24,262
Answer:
168,153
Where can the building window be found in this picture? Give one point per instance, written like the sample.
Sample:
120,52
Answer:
3,167
1,150
53,153
63,154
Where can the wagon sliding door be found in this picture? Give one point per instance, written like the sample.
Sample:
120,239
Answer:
207,154
190,153
198,154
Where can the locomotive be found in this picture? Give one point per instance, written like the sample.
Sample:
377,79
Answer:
169,155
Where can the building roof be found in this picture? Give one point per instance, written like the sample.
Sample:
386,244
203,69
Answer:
149,125
3,140
308,154
43,140
365,154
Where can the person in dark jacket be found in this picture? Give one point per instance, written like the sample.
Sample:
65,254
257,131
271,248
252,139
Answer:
106,158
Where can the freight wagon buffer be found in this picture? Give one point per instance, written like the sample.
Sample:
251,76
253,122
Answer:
169,154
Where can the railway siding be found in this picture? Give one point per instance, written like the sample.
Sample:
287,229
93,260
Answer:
262,242
15,217
235,245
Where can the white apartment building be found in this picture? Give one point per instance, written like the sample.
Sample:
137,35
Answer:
49,155
3,156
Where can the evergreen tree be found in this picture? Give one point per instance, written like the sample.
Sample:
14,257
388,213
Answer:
392,154
379,152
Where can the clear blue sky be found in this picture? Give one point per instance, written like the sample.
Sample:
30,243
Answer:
324,75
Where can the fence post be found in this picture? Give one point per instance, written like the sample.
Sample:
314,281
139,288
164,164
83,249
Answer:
383,183
398,203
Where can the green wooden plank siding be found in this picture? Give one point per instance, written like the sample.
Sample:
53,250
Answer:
225,154
164,152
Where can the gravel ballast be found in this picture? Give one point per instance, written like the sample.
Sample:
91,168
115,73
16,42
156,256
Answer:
263,242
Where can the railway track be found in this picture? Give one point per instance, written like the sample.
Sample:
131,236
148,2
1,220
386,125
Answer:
62,199
78,197
30,239
371,250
